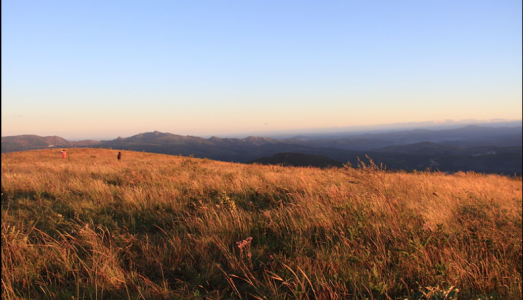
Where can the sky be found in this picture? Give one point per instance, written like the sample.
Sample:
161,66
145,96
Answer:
102,69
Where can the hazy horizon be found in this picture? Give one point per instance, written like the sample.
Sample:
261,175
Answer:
102,69
325,131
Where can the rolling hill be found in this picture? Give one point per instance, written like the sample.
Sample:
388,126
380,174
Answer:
32,142
153,226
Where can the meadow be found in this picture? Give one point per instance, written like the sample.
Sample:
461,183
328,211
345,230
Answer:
154,226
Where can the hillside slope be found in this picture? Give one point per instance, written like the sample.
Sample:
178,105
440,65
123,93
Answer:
157,226
298,160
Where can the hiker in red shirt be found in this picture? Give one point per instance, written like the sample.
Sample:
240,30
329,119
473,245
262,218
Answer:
64,154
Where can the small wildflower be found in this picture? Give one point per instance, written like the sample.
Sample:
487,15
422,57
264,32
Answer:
228,202
245,244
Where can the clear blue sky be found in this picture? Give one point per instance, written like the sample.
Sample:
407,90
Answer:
87,69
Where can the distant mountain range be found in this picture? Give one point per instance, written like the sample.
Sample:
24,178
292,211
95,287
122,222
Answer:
469,148
32,142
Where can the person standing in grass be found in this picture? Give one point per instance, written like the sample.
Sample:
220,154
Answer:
119,155
64,154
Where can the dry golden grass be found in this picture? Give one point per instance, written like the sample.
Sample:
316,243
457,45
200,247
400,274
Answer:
156,226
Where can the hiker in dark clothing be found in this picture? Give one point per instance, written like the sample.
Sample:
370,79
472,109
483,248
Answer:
119,155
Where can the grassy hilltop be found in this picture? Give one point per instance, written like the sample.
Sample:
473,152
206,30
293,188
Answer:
155,226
